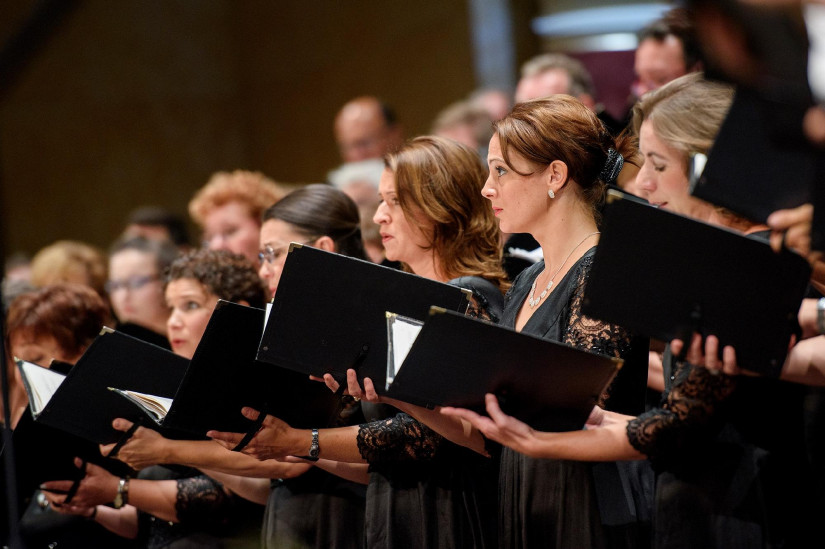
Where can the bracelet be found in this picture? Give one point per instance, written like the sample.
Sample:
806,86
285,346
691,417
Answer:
93,516
820,315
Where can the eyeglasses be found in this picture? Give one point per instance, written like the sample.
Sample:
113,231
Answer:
131,283
271,255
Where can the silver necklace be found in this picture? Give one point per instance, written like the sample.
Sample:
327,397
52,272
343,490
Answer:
533,301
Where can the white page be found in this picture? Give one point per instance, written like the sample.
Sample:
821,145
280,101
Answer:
42,384
156,405
401,332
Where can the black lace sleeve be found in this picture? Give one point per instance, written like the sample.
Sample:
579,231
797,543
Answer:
201,501
590,334
400,438
687,415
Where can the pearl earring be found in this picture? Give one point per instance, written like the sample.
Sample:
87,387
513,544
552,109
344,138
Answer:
551,194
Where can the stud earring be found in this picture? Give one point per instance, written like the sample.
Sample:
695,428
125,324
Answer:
551,194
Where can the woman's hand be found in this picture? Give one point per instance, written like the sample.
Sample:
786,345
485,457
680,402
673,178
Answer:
500,427
708,356
69,508
354,388
98,487
274,440
144,448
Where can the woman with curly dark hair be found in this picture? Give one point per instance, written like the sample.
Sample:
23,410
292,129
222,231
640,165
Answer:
180,507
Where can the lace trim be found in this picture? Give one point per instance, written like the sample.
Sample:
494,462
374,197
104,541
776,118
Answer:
686,413
201,501
397,439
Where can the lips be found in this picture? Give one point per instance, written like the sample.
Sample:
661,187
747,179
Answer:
496,211
385,237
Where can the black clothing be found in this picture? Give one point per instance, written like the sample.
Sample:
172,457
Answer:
567,504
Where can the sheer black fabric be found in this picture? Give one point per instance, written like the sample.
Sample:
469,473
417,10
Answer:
731,464
566,504
397,439
425,491
208,516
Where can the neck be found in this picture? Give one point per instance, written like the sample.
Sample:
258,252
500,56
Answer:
426,267
561,232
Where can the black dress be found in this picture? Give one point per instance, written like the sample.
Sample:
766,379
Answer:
730,461
567,504
425,491
317,509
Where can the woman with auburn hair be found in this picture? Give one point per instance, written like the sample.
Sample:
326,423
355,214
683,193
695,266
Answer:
550,161
228,209
432,178
423,490
56,322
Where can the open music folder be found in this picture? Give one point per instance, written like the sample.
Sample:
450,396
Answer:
223,376
328,314
82,404
454,360
665,275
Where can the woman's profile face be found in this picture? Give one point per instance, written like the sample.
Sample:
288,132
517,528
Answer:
662,179
403,241
518,201
231,227
274,245
136,290
191,306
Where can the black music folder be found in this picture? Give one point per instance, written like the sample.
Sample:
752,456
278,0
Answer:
223,376
455,360
664,275
752,169
83,405
328,314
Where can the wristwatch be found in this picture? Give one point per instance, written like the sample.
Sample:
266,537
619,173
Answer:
820,315
314,449
122,496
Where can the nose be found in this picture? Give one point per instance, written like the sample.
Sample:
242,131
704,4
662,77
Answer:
263,271
381,216
174,321
644,179
215,242
487,190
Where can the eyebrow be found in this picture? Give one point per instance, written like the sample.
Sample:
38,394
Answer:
492,158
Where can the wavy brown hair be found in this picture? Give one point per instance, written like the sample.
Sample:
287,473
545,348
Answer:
440,180
229,276
72,314
561,128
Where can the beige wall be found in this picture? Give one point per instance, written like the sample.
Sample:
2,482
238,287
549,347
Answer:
136,103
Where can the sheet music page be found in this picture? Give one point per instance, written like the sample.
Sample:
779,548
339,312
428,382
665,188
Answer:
401,332
42,383
156,405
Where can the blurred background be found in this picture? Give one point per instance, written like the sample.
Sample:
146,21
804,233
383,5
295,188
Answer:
105,106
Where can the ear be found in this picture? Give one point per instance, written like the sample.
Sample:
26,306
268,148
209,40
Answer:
325,243
556,175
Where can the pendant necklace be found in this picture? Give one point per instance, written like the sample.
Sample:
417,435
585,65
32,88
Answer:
533,301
